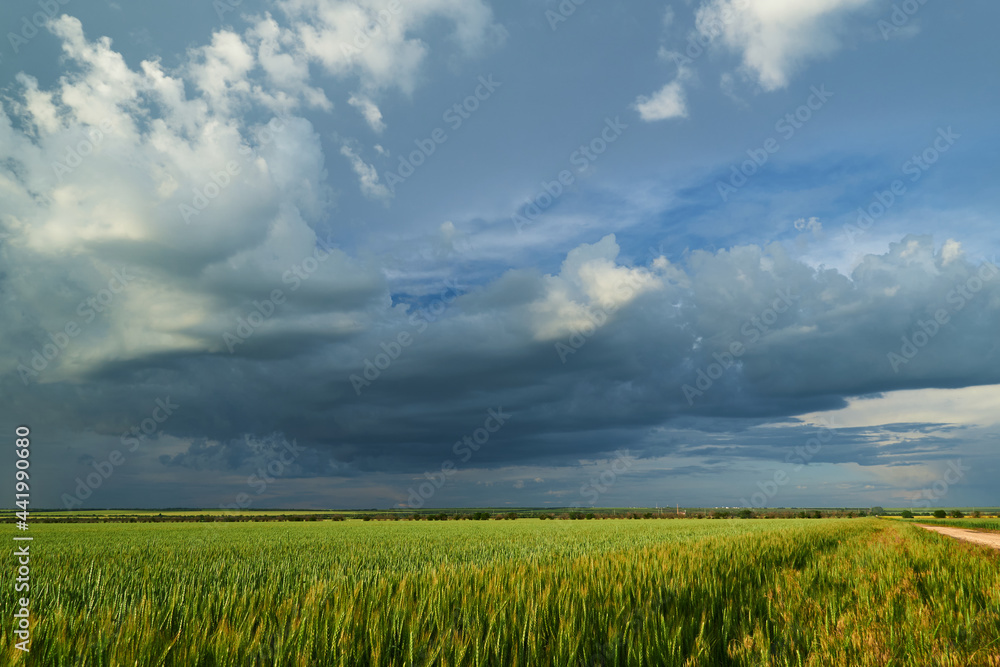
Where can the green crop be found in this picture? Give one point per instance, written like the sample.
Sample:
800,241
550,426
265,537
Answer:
526,592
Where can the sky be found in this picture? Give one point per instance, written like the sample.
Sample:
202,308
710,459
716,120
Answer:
459,253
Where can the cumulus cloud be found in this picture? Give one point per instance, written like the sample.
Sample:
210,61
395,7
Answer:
775,37
158,209
198,208
589,279
376,41
370,112
951,251
367,175
287,76
668,102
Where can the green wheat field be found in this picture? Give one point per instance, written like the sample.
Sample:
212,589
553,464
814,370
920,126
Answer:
860,591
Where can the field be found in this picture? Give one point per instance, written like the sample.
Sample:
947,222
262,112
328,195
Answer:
860,591
972,524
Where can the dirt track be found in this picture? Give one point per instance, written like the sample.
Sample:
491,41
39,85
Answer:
988,539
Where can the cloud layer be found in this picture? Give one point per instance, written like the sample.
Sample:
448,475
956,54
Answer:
197,234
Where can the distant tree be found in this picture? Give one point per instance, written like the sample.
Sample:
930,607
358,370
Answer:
876,511
746,513
957,514
906,514
940,514
802,515
590,515
976,514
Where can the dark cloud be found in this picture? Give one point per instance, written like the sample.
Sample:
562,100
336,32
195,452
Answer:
182,260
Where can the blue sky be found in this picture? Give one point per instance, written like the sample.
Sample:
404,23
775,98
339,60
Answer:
632,232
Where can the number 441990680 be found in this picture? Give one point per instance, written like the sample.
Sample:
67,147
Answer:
22,494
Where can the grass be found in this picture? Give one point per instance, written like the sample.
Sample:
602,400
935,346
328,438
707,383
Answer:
526,592
975,524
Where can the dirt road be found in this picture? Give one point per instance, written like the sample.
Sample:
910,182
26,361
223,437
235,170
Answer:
989,539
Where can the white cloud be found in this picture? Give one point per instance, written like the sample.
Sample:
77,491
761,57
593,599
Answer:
368,109
220,70
366,38
951,251
367,175
95,175
668,102
285,73
775,37
811,224
589,279
967,406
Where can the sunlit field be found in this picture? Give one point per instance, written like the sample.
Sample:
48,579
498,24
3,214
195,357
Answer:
971,524
524,592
